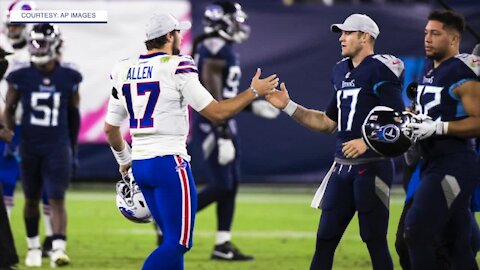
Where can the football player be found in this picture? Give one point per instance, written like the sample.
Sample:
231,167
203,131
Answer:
448,102
359,179
15,39
48,92
153,91
9,257
220,72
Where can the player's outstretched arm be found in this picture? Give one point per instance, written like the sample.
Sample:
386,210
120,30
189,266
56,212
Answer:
312,119
218,111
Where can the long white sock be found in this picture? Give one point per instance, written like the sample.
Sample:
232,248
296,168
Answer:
9,212
47,221
59,244
222,237
33,242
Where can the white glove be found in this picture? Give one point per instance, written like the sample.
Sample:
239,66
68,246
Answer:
425,127
264,109
226,151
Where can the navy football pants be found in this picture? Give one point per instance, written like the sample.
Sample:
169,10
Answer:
363,188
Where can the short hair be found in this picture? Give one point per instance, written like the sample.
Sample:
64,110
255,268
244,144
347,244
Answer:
372,39
157,43
450,19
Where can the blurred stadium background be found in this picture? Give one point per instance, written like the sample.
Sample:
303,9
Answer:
281,161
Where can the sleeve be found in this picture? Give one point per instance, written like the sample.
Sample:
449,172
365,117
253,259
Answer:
196,95
12,78
116,112
390,95
387,82
332,110
186,77
77,77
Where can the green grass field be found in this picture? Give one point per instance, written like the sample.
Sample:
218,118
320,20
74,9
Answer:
276,225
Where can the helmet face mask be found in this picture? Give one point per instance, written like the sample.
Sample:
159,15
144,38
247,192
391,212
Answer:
228,20
44,43
383,131
130,201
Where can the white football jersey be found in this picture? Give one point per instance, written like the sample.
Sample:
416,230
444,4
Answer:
18,59
153,91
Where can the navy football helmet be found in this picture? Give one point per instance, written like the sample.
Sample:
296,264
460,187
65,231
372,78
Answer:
383,131
44,43
228,20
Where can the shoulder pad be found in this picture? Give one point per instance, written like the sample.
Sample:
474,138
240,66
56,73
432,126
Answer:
393,63
17,65
214,45
69,65
471,61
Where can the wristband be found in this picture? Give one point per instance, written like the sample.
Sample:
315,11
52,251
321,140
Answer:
441,128
255,92
124,156
290,108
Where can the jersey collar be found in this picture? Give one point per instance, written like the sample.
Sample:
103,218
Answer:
146,56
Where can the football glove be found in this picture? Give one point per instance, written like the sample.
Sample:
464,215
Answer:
226,151
264,109
424,127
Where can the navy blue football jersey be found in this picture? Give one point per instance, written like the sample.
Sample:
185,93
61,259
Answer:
45,99
435,98
218,48
375,81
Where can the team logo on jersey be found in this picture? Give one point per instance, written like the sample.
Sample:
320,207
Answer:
388,133
47,88
428,80
348,84
347,75
46,81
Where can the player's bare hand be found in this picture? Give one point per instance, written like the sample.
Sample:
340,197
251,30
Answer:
279,98
264,86
123,169
354,148
6,135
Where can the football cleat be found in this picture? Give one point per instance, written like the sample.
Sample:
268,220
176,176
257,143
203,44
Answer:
34,257
59,258
228,252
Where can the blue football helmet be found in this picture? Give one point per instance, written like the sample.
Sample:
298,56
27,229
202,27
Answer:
228,20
